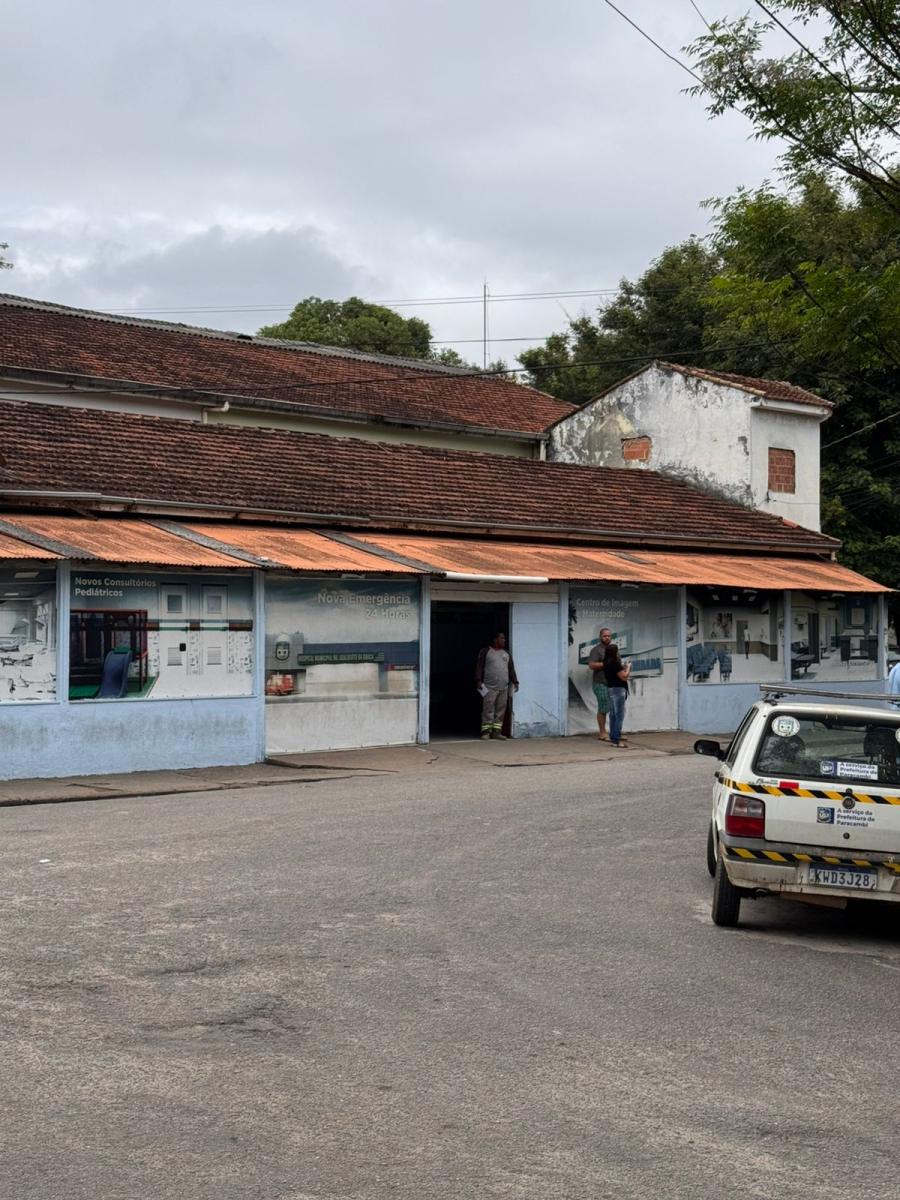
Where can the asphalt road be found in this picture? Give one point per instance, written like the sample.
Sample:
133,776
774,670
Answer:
501,983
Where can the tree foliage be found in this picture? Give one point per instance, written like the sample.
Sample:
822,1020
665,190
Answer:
3,262
802,286
661,315
814,279
834,99
354,324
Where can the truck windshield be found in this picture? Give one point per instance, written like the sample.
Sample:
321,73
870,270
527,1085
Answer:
836,749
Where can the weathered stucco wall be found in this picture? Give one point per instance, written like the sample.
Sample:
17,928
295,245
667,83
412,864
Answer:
699,432
708,434
114,736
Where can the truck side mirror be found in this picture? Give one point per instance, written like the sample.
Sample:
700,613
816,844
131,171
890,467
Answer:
709,747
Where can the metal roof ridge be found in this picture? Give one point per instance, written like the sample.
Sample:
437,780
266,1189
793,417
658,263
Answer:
209,543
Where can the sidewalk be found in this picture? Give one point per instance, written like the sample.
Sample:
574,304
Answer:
472,755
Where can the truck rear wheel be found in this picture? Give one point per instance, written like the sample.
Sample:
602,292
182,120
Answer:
726,905
711,851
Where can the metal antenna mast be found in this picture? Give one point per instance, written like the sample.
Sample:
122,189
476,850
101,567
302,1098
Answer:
485,329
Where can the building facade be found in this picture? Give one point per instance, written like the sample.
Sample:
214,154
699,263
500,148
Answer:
754,441
196,571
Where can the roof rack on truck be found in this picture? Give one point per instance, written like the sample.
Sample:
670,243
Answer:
777,691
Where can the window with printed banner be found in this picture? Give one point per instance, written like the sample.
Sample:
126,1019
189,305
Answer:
834,636
734,635
27,634
136,636
342,662
643,623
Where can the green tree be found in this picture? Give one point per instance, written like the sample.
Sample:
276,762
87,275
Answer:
663,314
356,325
810,289
3,263
833,99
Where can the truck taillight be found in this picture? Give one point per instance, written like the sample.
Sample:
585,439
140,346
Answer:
745,816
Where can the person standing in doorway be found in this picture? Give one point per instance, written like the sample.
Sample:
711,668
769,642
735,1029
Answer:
746,641
598,681
616,673
495,673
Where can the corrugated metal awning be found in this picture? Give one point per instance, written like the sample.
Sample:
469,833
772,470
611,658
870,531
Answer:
157,542
298,549
13,548
109,540
223,545
583,564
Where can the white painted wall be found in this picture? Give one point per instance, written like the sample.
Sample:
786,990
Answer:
708,434
152,406
786,431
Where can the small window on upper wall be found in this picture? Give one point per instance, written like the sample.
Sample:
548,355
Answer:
782,470
636,449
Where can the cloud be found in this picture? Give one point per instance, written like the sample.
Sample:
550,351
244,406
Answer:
222,153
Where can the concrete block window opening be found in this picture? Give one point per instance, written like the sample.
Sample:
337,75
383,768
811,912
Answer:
782,470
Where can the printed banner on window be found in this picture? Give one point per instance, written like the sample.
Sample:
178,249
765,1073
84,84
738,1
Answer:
160,637
834,637
734,636
341,640
643,624
27,635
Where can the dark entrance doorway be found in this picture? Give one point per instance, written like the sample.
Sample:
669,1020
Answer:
458,631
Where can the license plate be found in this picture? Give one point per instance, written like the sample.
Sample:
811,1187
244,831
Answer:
842,877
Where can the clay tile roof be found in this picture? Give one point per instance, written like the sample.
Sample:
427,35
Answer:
770,389
50,338
348,481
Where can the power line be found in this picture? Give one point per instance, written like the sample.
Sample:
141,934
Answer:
660,48
462,341
862,429
505,297
836,159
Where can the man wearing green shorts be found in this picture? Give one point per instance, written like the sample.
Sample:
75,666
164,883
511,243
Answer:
598,683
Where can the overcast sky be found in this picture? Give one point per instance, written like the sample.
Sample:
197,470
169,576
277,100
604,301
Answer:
193,154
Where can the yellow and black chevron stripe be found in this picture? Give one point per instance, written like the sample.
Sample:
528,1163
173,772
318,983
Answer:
779,856
807,793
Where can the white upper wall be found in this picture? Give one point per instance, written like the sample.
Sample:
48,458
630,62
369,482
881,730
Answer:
711,434
145,404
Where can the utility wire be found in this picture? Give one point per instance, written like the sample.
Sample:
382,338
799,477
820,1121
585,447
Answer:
660,48
421,301
862,429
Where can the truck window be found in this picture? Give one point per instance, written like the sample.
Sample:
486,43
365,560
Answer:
738,738
842,751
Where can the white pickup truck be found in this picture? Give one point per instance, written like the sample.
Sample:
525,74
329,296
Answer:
806,804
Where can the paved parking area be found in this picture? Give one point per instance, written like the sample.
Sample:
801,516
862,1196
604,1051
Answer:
442,983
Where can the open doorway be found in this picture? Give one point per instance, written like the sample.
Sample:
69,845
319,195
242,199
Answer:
459,630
